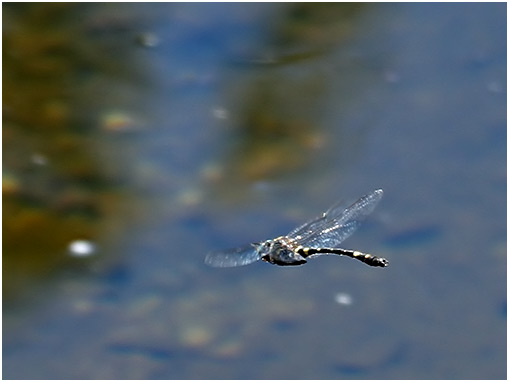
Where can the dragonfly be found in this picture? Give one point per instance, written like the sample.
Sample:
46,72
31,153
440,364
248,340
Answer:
317,237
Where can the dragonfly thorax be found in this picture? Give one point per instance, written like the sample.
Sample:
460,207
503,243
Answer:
278,252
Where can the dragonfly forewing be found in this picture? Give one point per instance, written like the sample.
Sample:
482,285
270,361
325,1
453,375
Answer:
337,224
233,257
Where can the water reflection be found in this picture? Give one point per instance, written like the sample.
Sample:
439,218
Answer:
280,96
199,102
60,61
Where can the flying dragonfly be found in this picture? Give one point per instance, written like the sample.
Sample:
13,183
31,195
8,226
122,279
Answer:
319,236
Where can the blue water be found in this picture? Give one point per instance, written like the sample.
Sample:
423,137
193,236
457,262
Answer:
255,118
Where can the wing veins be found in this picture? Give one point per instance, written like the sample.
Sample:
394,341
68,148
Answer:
233,257
337,223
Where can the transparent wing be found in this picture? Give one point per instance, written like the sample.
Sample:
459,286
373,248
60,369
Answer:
338,223
233,257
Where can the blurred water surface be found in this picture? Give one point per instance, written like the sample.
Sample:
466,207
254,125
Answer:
138,137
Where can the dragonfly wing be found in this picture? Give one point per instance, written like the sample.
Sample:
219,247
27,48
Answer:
233,258
357,211
332,236
338,223
303,231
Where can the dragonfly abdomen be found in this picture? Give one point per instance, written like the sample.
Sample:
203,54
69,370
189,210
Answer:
366,258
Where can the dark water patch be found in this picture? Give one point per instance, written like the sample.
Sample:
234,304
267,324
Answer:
154,353
283,325
414,236
120,274
398,356
350,370
502,309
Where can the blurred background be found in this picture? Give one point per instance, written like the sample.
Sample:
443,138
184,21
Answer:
138,137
